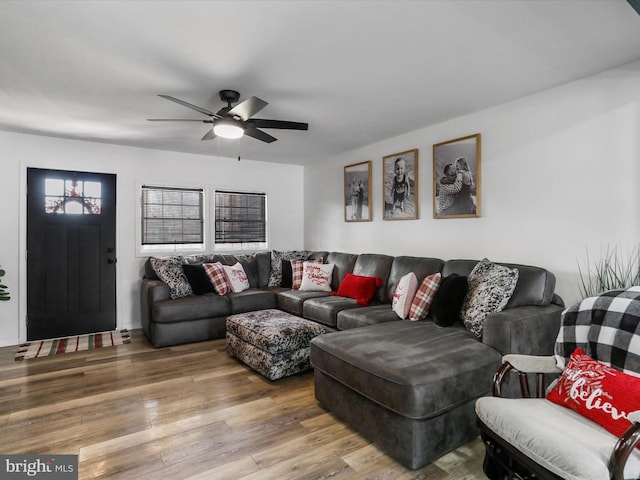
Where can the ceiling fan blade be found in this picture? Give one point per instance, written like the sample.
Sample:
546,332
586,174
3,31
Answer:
252,131
191,106
248,108
209,135
178,120
264,123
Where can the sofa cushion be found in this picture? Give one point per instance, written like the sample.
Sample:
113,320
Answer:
490,288
542,430
252,299
198,279
375,265
359,287
291,301
535,285
169,270
416,369
343,264
421,303
325,309
192,307
361,317
446,305
421,266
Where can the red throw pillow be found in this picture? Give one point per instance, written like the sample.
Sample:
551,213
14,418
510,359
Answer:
359,287
598,392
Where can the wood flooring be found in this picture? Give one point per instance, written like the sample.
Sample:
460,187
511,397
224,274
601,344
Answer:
188,412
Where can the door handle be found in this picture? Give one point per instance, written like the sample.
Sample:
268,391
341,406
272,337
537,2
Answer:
111,260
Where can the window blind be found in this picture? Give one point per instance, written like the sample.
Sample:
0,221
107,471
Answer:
240,217
172,216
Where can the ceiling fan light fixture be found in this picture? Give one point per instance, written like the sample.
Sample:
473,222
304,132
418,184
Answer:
228,128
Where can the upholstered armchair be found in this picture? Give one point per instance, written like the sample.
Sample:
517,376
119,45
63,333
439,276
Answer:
585,425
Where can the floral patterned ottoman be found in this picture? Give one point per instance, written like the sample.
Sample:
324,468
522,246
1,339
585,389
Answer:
272,342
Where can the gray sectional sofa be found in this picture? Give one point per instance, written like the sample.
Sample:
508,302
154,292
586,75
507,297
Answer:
408,386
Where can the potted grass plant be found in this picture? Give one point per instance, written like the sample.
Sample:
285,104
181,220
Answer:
614,269
4,294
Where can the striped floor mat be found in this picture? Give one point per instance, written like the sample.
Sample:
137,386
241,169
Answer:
44,348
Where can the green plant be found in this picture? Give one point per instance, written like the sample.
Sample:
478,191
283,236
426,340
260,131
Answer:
611,271
4,294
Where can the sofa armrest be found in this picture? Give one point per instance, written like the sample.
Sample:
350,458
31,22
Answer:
151,291
527,330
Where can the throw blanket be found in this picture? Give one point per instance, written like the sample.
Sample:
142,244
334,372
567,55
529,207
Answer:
606,327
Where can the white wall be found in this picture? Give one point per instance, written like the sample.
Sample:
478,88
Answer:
132,166
560,176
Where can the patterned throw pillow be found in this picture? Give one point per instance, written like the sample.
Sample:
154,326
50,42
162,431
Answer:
598,392
275,276
297,267
490,288
424,296
218,277
236,277
317,276
169,270
403,296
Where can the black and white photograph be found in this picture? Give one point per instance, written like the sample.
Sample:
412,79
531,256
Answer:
357,188
400,185
456,178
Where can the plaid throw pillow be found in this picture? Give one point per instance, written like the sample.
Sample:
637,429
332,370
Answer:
297,267
424,296
218,277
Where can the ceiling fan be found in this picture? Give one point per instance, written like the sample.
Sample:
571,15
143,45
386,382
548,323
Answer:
234,122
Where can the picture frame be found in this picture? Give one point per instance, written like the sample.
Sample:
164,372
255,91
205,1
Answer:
457,184
357,192
400,185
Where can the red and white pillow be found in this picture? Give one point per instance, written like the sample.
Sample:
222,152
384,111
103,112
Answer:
424,297
598,392
316,276
236,277
297,268
218,277
403,296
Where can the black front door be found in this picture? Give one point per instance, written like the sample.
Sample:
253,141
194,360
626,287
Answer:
71,271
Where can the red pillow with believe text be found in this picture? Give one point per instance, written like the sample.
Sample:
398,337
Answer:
598,392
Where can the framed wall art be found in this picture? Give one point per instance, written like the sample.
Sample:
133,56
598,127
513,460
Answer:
456,178
357,192
400,185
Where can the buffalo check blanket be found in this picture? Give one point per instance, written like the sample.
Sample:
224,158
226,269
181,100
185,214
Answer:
606,327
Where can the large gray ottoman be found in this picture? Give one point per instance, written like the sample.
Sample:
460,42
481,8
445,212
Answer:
410,387
272,342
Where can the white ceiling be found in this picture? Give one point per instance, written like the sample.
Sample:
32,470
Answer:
357,71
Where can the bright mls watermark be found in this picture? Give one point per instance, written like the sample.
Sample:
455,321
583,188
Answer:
51,467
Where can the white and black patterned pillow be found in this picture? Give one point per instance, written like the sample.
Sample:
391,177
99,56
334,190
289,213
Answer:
490,288
275,276
169,270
